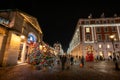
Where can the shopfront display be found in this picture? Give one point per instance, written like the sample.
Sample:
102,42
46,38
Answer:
89,53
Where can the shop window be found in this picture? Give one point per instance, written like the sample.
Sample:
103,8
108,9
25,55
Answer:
110,54
100,46
108,46
101,53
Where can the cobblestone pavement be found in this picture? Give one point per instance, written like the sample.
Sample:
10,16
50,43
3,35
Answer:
103,70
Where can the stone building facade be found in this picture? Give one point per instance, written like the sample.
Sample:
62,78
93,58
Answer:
17,30
92,38
58,49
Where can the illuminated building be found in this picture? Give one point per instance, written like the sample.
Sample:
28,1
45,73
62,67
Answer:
58,49
17,31
91,36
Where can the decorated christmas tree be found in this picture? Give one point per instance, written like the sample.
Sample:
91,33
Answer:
39,57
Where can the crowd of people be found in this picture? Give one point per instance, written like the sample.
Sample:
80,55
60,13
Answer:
66,61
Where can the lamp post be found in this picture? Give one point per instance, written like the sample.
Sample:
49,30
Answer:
112,37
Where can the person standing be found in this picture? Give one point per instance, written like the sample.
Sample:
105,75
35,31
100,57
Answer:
68,62
71,60
63,61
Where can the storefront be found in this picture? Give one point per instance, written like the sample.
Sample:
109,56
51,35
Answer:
89,53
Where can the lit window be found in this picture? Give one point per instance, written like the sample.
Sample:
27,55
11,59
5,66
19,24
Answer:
88,30
100,46
109,53
108,46
101,53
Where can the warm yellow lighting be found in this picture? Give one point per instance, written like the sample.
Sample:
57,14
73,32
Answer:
108,46
112,36
109,53
45,50
40,47
100,46
22,37
15,41
88,29
2,31
115,39
101,53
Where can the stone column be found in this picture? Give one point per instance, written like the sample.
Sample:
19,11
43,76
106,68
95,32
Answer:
3,41
11,50
23,53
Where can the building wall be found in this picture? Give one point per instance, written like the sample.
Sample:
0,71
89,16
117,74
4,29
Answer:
58,49
17,26
12,49
94,41
3,40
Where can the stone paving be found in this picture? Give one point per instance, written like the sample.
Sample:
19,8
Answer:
103,70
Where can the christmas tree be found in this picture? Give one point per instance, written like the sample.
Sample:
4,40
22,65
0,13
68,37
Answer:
39,57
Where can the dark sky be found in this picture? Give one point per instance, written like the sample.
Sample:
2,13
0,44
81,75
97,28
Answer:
58,19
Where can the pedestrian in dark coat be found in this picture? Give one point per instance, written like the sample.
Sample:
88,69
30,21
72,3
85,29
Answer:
71,60
63,61
82,61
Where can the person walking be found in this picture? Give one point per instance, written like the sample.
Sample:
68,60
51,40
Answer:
82,61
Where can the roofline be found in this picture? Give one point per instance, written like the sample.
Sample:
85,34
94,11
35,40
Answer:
97,18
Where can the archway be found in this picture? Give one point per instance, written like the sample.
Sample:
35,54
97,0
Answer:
25,47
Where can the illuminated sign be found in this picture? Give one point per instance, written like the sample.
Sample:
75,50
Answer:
4,21
31,38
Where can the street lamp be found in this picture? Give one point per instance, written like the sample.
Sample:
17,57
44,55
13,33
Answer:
112,37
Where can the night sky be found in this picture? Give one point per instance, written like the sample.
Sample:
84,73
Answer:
58,19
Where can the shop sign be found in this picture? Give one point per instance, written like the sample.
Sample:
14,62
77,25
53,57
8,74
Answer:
4,21
31,38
